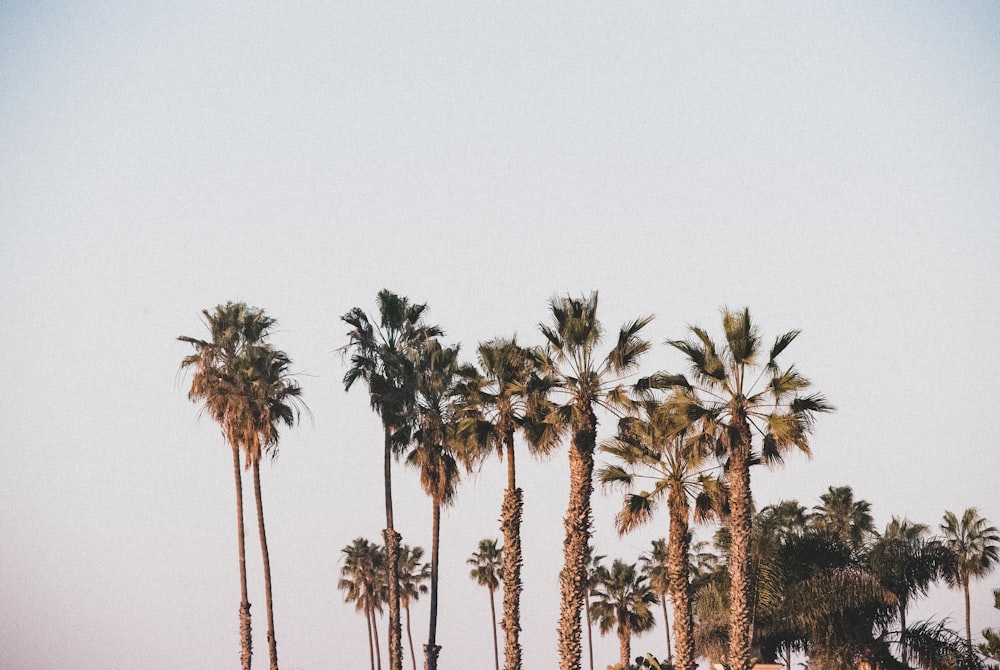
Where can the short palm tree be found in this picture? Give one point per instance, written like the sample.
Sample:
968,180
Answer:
654,566
412,575
589,381
843,517
363,580
437,450
245,384
738,400
974,546
509,395
381,355
486,565
622,601
650,448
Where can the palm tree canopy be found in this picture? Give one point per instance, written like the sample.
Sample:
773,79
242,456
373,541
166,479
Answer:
623,599
973,544
363,575
486,562
840,515
412,574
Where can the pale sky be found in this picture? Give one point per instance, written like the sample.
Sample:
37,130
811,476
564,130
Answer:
834,167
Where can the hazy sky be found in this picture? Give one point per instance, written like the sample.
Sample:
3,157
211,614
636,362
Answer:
834,167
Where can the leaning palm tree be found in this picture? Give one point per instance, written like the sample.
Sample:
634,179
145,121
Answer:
974,546
508,396
652,447
733,397
363,581
589,381
622,601
380,354
218,365
486,566
412,575
437,450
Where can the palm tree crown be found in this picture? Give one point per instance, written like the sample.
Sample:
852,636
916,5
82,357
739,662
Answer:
623,600
974,546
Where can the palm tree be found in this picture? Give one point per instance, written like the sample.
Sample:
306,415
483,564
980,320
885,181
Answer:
486,566
990,648
412,575
843,517
974,546
650,447
654,566
589,381
622,601
436,452
509,395
381,357
363,580
733,396
232,378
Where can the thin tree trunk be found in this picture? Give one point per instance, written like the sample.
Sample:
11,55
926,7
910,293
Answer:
493,616
409,636
740,531
371,648
432,649
788,657
624,645
392,542
678,579
272,645
968,621
666,626
590,629
246,643
378,647
510,525
573,577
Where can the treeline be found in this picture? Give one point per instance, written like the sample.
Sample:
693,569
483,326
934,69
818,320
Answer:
698,433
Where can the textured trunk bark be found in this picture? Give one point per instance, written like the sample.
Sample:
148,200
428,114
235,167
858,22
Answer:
740,531
392,541
432,649
679,580
246,642
272,644
493,617
510,525
572,578
624,645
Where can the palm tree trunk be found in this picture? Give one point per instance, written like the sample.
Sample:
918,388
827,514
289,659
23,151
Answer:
272,645
590,629
378,647
432,649
968,621
624,645
666,626
371,649
392,541
740,531
510,525
409,636
573,577
678,568
493,616
246,643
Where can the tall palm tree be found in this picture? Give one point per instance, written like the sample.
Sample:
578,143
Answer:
734,396
974,546
843,517
509,395
650,447
229,378
589,381
412,575
437,449
363,581
380,354
622,601
486,566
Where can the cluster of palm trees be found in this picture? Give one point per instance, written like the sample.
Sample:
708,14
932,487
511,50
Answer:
689,440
